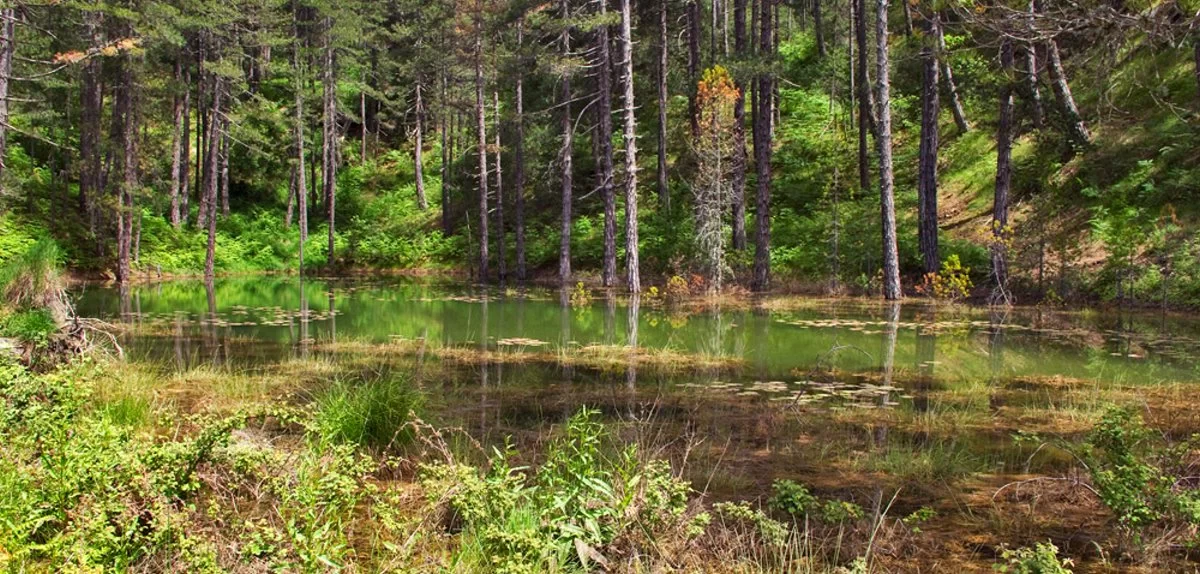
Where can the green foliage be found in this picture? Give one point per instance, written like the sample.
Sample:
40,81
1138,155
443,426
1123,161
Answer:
518,523
371,413
77,487
740,516
795,500
32,327
1041,559
33,279
952,283
1135,473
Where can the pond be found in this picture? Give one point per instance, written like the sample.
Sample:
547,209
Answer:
848,396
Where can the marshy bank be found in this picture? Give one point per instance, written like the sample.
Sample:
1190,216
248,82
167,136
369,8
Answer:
416,425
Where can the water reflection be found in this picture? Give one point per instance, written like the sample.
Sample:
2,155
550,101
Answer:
271,320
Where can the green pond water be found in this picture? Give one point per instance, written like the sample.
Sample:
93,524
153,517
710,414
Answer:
247,321
761,417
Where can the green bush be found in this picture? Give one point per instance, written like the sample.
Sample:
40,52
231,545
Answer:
1041,559
369,413
579,498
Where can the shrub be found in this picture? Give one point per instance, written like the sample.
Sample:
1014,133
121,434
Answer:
368,413
1041,559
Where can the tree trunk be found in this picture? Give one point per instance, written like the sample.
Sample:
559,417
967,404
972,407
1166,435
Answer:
908,19
1077,131
865,103
224,159
129,167
185,152
891,257
210,177
7,50
605,160
818,27
693,60
290,215
664,190
738,193
202,165
91,110
927,178
564,251
519,157
632,274
177,143
298,129
447,157
1004,137
329,141
762,156
418,151
362,131
500,254
1031,76
960,116
481,132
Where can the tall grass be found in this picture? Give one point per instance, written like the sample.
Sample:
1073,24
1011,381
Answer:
371,413
34,280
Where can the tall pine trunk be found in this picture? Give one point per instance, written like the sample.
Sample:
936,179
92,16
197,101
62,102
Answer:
865,103
418,151
762,154
329,140
185,152
519,156
738,193
927,170
481,133
447,157
224,159
564,250
177,137
501,256
605,160
1004,140
91,111
1031,75
960,116
818,27
210,175
7,50
298,133
1077,131
693,60
129,168
887,194
632,274
664,190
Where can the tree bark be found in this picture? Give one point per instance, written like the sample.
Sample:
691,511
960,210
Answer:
91,110
633,279
927,178
501,256
177,136
960,116
7,50
519,157
693,60
447,157
185,152
887,196
738,193
129,168
1031,76
298,133
418,151
1077,131
210,177
1004,137
329,140
664,190
865,103
564,252
605,160
818,27
762,155
481,133
224,159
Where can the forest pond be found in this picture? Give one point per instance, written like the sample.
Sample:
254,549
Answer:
833,393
